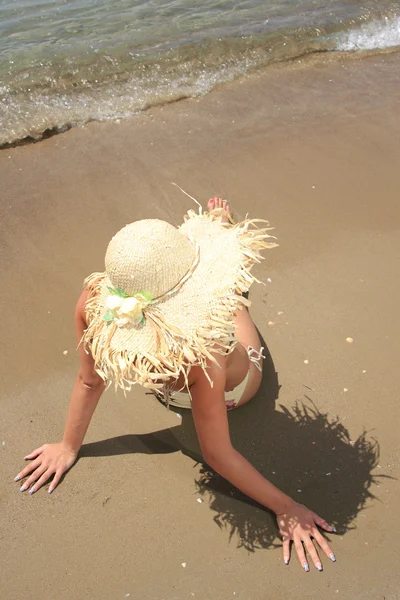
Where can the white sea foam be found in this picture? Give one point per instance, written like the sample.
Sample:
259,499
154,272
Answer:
371,36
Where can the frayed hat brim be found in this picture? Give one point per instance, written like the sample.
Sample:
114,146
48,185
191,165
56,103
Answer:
187,328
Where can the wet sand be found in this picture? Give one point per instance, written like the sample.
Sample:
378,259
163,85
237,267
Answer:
315,149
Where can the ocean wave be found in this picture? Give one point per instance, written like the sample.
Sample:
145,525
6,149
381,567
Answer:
29,117
52,99
376,35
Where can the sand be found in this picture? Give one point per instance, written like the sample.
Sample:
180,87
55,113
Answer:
315,149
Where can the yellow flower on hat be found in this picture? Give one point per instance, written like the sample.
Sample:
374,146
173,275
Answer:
123,309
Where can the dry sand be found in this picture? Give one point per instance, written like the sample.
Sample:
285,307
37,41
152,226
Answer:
315,150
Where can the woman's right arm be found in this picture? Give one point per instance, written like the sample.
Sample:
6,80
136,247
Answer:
296,522
55,459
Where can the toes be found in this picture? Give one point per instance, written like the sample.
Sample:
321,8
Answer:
226,207
216,202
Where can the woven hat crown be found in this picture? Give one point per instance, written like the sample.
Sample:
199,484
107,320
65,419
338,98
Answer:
148,256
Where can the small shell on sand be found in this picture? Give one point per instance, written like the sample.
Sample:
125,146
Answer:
183,565
349,340
65,352
271,323
306,361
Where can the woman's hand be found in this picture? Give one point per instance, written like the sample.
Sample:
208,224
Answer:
299,524
48,460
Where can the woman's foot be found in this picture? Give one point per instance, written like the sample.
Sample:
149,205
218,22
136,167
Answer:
222,206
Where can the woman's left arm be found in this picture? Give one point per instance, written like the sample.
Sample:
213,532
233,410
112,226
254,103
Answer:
295,521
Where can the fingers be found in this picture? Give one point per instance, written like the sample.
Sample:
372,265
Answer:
301,555
55,482
32,466
48,473
323,524
28,469
34,454
35,475
313,553
286,550
41,475
321,541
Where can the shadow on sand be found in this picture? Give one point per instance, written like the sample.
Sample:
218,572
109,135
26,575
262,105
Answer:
306,453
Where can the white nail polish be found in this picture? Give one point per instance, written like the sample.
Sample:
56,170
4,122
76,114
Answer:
22,488
17,478
332,557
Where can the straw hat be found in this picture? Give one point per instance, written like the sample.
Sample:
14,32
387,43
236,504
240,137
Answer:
168,296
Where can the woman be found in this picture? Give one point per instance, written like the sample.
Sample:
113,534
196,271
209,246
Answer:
169,313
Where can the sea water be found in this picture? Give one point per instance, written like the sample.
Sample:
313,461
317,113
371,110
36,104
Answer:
68,62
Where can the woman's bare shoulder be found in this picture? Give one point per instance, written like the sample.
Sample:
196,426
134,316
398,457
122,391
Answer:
215,371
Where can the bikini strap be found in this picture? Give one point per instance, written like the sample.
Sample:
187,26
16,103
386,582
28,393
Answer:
255,356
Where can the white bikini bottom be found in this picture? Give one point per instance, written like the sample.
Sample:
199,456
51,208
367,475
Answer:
182,399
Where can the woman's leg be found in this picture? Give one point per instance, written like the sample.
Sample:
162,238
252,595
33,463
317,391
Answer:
246,331
247,334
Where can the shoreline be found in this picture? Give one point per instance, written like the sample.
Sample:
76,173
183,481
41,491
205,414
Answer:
315,151
308,60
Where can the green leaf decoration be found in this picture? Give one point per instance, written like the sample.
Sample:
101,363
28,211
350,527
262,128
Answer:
145,296
120,293
108,317
117,292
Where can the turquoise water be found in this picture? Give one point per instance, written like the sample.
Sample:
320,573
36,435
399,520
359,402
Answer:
67,62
